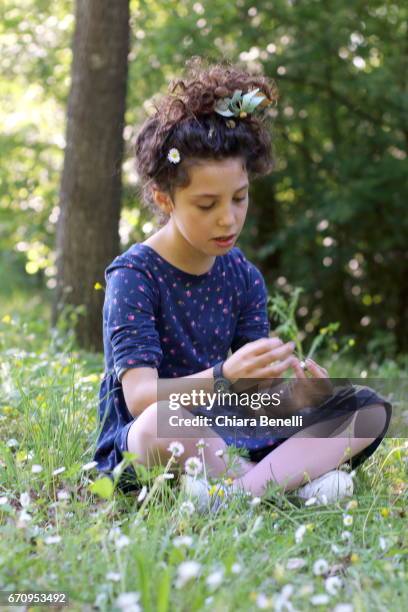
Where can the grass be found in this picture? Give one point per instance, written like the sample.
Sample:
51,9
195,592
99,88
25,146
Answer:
63,537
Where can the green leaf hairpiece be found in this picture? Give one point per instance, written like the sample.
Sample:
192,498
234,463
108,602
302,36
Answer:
240,105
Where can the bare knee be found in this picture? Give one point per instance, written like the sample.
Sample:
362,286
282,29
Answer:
370,421
142,435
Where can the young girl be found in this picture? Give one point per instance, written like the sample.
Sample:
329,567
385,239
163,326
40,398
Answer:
177,303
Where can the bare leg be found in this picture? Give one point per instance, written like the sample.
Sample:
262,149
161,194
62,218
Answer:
152,450
288,463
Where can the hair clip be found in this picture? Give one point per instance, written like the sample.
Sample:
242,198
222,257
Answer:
241,105
174,156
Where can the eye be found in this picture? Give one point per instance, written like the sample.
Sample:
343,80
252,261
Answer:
212,205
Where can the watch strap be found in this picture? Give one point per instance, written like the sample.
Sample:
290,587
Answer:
217,370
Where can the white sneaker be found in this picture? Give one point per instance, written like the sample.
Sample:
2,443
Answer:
198,491
328,488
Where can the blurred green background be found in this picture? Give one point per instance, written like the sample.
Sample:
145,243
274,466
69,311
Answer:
331,218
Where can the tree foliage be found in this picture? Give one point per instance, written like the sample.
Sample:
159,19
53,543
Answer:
330,219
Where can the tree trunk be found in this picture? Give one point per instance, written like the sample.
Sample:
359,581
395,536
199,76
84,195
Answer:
88,223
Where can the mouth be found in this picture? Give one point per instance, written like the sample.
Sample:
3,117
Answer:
225,238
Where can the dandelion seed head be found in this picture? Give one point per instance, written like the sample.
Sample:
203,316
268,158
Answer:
25,499
321,599
113,576
122,541
201,444
320,566
183,540
52,539
128,602
214,580
333,584
187,507
295,563
299,533
186,571
193,466
176,448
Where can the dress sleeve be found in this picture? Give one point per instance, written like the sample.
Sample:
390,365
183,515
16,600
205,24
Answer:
253,320
129,316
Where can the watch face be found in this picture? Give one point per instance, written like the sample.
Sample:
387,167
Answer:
222,384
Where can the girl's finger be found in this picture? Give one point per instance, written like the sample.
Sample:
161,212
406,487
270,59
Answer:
314,368
298,369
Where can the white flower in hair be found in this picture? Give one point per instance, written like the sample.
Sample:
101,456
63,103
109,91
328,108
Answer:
174,156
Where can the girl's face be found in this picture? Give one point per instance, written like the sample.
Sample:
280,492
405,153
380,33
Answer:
213,206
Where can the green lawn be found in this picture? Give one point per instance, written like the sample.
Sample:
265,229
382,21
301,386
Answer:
57,535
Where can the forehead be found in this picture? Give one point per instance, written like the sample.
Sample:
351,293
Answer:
217,176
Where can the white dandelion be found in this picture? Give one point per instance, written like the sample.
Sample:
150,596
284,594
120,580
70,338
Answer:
25,499
320,566
282,600
113,576
180,541
176,448
255,501
122,541
36,469
12,443
345,535
201,444
142,494
343,607
214,580
262,601
193,466
186,571
383,543
333,584
299,533
236,568
321,599
347,520
89,466
114,533
187,507
63,495
173,156
295,563
52,539
128,602
23,518
58,471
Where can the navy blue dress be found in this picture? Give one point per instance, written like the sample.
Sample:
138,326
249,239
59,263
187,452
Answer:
156,315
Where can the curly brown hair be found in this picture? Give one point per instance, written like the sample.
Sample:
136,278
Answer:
185,119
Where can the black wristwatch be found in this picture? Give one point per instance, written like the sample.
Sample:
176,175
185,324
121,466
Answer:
221,384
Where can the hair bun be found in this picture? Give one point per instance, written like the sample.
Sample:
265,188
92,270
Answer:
221,92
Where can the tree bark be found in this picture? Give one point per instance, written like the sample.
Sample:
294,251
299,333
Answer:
88,223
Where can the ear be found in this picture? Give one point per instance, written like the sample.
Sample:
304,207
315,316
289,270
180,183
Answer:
163,200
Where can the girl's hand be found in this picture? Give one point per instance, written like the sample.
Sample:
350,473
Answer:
311,366
263,358
312,392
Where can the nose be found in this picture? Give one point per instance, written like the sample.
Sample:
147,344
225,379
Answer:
227,217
